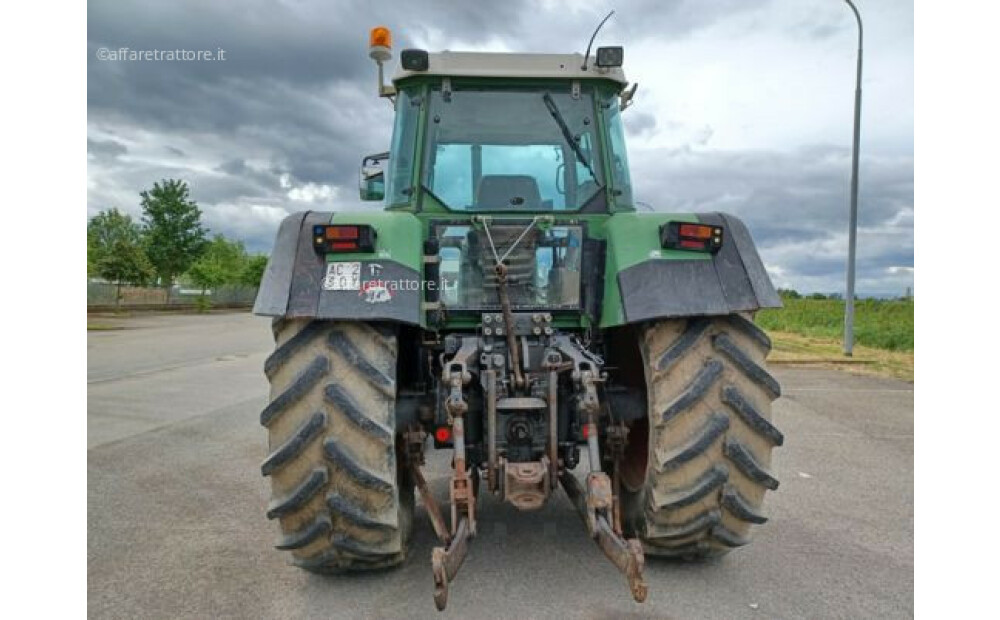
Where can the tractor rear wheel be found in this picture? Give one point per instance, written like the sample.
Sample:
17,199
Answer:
696,470
339,490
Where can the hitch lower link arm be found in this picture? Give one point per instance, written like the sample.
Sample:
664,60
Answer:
446,560
597,504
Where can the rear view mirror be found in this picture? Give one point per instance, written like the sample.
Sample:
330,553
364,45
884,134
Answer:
372,185
372,181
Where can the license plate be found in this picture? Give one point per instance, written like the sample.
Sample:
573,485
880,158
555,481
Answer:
342,277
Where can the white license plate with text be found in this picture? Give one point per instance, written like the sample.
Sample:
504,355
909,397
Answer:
342,277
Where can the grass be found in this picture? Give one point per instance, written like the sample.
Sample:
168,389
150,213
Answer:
797,349
811,331
879,324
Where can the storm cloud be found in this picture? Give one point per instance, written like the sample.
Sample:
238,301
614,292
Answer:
743,106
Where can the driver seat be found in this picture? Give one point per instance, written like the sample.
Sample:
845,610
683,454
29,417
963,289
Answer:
503,191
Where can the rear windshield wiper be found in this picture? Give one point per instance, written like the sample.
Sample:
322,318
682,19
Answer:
567,134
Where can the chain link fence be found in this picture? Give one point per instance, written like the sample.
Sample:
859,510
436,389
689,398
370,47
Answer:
102,295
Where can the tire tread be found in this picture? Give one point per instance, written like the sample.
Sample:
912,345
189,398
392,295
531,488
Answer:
710,435
337,492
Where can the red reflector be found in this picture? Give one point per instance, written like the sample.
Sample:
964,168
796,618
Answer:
691,245
695,231
343,245
586,431
342,232
442,434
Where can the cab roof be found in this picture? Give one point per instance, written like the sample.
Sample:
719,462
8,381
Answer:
503,65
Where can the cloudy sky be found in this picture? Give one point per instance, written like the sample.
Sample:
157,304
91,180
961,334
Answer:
743,106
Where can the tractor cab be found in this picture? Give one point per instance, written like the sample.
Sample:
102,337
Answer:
504,133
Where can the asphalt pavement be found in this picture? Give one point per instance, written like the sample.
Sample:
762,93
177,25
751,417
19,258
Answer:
176,525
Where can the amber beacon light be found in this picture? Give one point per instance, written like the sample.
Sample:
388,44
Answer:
380,50
380,44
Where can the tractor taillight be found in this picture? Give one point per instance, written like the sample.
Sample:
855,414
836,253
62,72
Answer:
695,231
336,238
691,237
341,232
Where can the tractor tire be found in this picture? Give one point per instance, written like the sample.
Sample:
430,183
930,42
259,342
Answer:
339,489
696,470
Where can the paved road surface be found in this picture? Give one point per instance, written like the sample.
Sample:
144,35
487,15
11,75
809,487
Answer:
176,525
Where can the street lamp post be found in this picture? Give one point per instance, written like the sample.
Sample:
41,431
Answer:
853,232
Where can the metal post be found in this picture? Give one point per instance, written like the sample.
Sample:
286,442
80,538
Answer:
853,232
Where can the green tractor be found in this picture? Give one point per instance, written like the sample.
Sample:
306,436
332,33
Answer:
512,306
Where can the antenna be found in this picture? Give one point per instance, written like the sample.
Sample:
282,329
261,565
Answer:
586,54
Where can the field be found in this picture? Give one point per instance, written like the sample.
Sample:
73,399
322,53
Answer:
812,331
880,324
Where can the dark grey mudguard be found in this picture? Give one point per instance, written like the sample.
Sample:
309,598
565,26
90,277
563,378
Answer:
733,281
292,286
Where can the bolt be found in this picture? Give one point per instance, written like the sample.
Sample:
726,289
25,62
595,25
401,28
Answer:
487,319
536,330
548,317
548,330
487,332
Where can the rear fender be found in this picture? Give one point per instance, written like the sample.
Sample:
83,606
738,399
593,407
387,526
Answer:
645,282
389,289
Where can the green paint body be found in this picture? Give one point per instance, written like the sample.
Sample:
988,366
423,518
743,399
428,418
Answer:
400,237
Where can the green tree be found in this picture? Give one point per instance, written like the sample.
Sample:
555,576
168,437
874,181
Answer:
92,252
108,227
253,272
221,262
172,229
115,250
